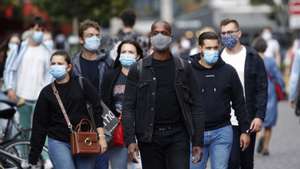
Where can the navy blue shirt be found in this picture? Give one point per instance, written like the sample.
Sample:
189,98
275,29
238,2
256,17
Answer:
89,69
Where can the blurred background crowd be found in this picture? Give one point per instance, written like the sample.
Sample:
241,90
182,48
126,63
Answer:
187,17
276,21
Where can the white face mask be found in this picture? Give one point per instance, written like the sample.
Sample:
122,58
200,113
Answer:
185,44
266,35
161,42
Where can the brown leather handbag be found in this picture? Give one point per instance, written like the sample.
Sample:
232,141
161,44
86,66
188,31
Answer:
82,142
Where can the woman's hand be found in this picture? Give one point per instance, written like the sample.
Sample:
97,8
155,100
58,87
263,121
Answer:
102,143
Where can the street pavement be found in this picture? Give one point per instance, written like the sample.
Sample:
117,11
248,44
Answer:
285,142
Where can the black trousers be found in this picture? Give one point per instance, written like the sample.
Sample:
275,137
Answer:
241,159
169,149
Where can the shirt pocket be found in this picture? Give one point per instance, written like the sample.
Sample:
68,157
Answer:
143,91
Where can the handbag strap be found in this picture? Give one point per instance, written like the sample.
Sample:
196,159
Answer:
55,92
88,106
82,122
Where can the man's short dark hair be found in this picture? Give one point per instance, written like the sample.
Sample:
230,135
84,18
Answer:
128,17
37,20
259,44
87,24
228,21
166,24
207,35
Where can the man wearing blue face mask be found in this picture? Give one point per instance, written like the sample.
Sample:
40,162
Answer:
251,70
219,86
26,73
91,63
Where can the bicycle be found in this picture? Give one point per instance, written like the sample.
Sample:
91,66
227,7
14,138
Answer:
14,150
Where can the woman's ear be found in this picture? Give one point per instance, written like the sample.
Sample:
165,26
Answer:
69,68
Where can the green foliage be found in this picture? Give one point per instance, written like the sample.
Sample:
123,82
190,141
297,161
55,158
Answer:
98,10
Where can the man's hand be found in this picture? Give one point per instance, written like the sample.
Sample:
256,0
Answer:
244,141
11,94
133,150
196,154
256,125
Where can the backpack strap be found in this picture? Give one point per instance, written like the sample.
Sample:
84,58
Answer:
88,105
181,62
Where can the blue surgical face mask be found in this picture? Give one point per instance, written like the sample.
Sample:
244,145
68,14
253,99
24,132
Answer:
37,36
59,72
229,41
211,56
92,43
13,46
127,59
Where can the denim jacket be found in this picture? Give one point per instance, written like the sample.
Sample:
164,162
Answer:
139,101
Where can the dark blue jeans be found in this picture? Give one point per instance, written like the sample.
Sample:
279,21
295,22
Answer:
169,149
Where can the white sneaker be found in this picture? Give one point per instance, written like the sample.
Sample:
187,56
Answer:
48,164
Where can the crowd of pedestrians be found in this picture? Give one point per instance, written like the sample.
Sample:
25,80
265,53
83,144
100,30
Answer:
177,110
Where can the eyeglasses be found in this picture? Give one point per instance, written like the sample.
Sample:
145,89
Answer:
229,32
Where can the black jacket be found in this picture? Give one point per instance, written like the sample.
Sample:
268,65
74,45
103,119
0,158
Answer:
139,102
109,80
219,86
256,84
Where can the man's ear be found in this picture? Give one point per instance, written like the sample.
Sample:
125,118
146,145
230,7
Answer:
200,48
240,34
81,40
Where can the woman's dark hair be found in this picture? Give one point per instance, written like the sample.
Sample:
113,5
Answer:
259,44
139,51
62,53
3,50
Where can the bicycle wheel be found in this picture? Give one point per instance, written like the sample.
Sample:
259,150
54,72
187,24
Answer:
6,162
21,148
